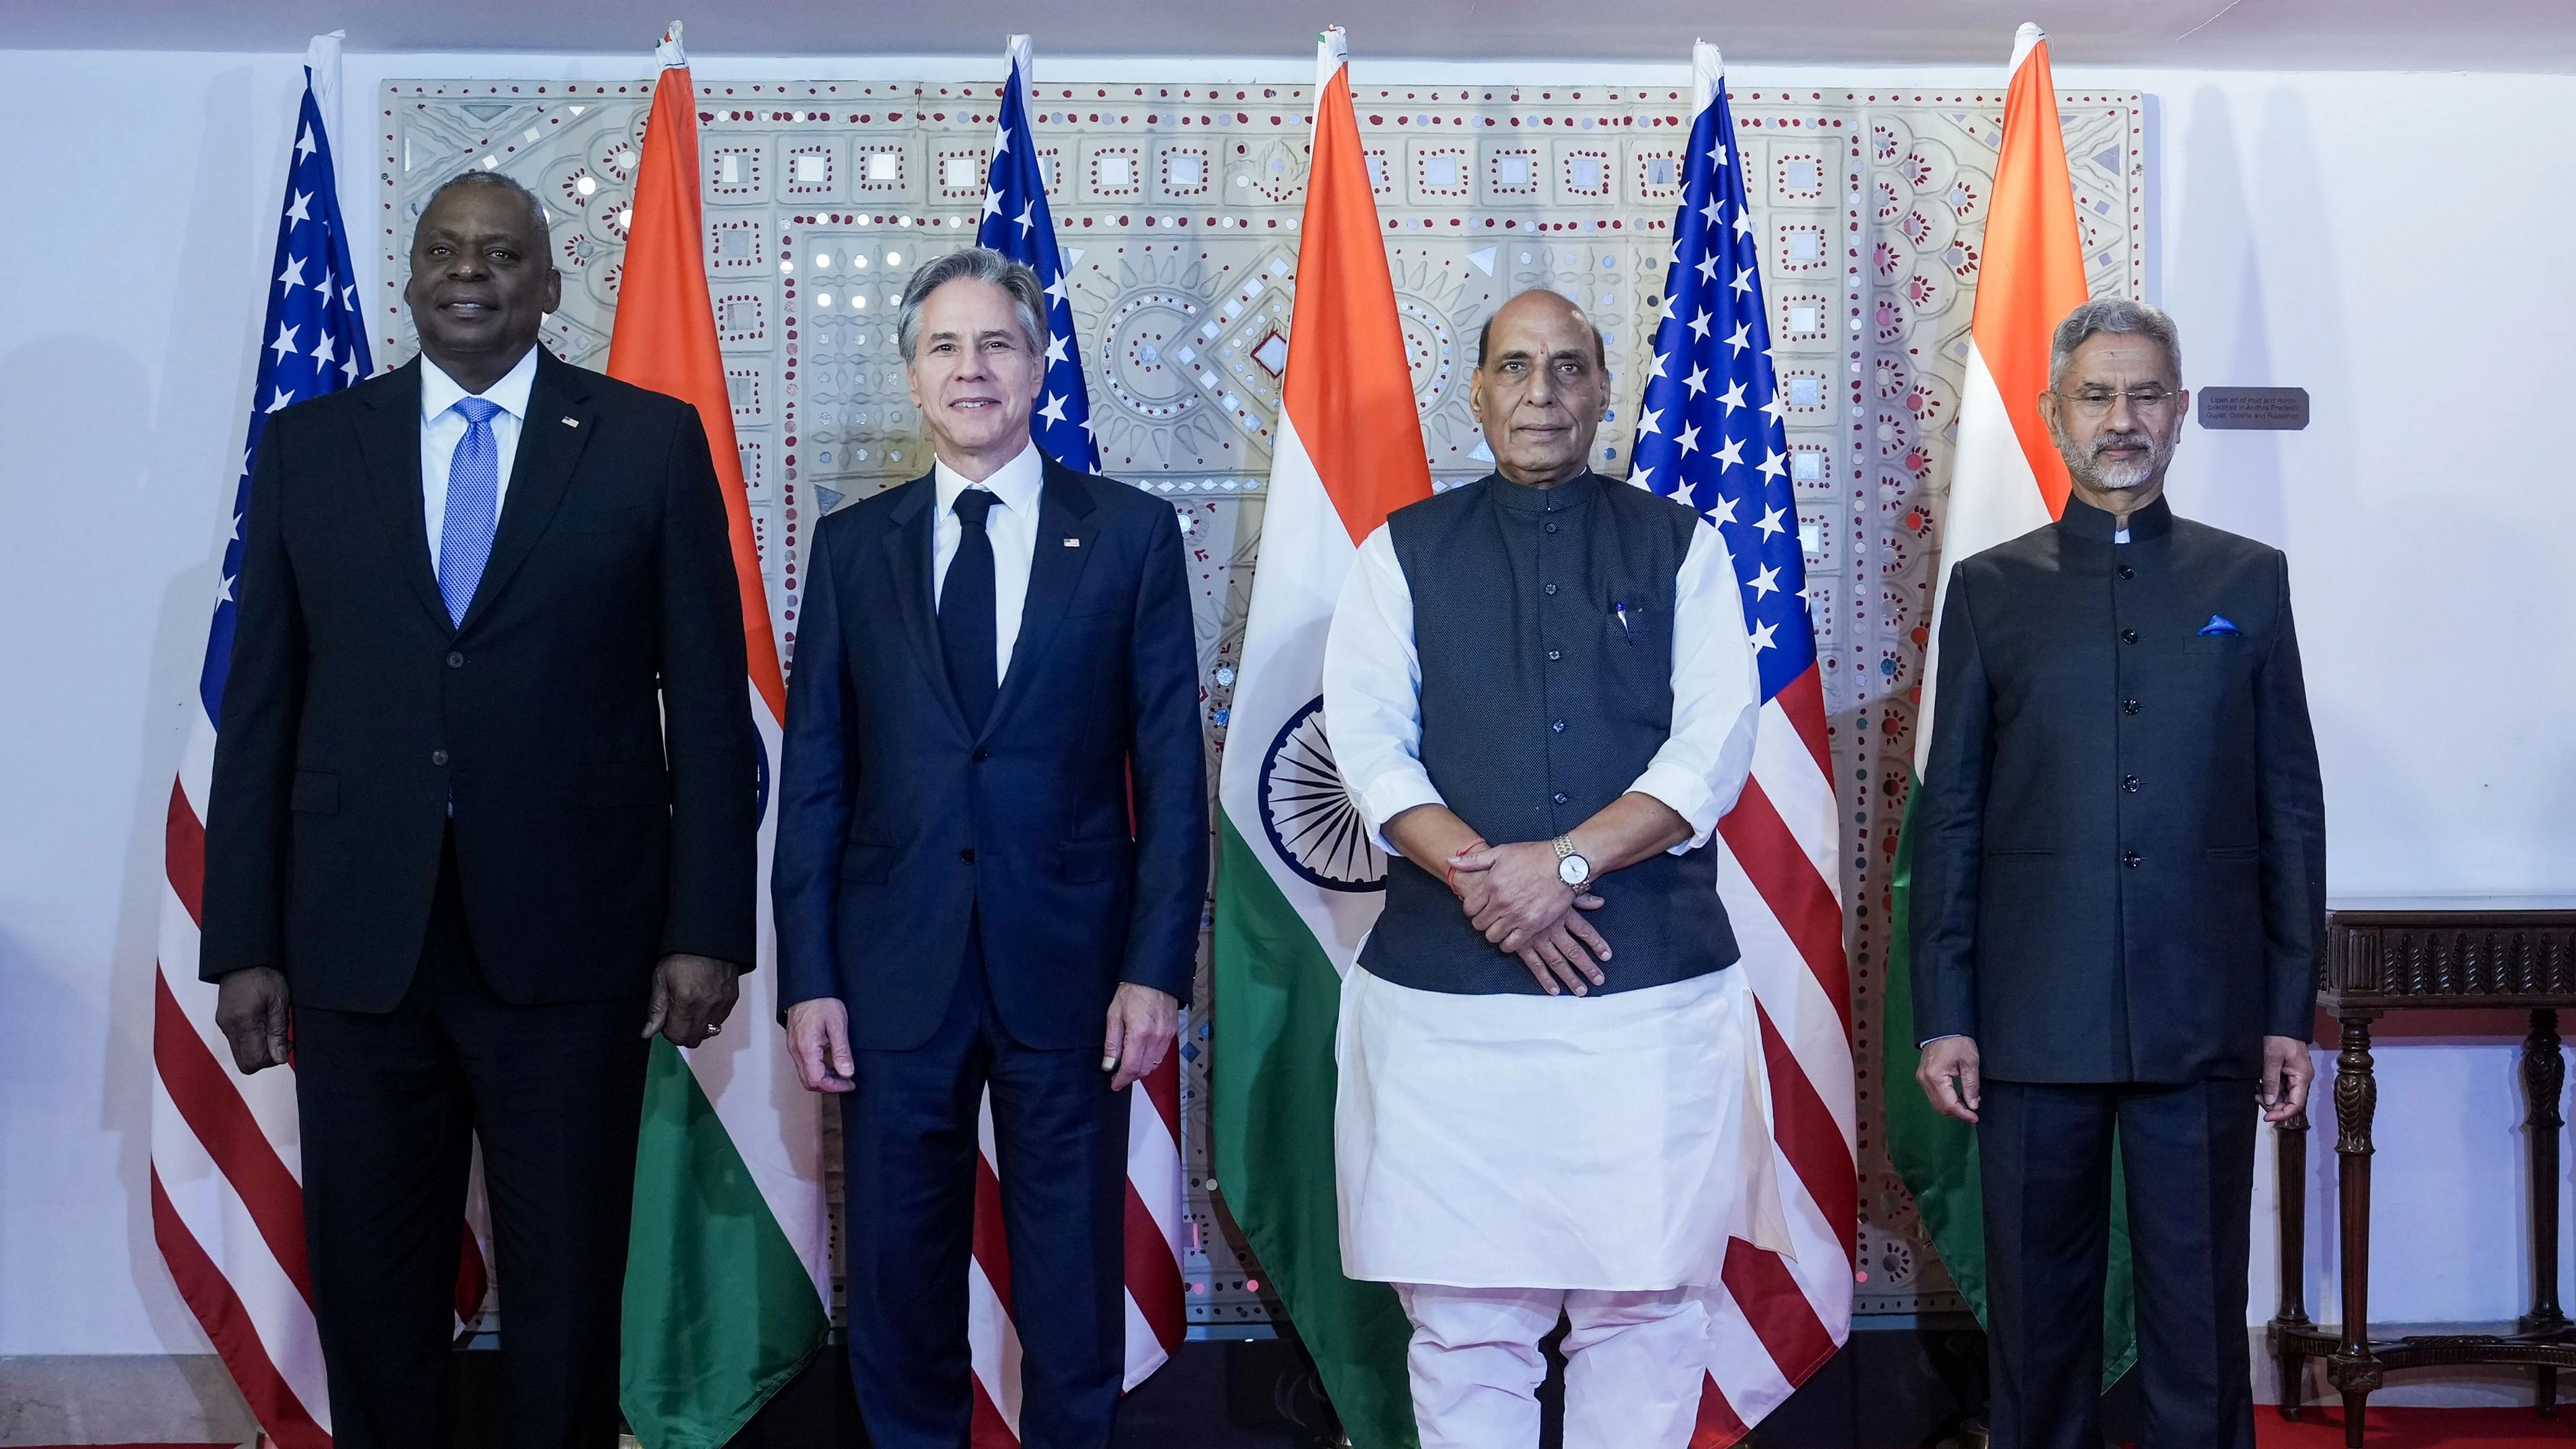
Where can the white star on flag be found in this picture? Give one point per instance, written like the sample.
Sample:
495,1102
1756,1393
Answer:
284,346
293,276
1054,410
295,210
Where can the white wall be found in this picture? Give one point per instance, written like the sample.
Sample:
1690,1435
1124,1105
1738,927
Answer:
2388,242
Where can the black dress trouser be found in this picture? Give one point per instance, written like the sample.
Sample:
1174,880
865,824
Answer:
2045,1155
391,1105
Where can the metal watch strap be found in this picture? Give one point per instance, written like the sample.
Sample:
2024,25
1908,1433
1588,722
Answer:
1564,846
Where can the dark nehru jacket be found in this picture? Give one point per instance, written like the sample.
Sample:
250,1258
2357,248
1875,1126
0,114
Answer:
2119,870
1540,707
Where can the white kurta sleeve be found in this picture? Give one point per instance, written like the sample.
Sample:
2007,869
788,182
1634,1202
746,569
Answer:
1717,694
1373,690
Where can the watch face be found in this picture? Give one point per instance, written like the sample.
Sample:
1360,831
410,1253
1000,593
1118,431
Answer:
1574,870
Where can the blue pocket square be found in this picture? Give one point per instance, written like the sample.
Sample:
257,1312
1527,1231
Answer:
2219,624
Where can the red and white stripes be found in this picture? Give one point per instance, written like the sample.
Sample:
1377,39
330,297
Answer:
227,1196
1153,1259
1775,1320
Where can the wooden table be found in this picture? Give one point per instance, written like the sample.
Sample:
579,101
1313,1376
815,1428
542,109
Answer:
2412,955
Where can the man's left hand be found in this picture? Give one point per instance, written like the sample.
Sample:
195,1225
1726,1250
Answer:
2287,1070
692,996
1523,895
1142,1025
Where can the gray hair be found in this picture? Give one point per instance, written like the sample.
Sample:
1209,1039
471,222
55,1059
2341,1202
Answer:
2117,315
509,186
981,264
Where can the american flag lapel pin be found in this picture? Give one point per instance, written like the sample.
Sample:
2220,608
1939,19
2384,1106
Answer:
570,421
1073,543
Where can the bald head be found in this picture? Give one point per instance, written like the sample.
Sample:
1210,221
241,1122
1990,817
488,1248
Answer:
1542,381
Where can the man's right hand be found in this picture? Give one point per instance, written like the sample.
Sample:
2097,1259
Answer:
1948,1074
818,1037
1560,957
250,1010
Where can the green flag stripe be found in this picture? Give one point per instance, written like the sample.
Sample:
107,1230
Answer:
1277,999
720,1312
1937,1155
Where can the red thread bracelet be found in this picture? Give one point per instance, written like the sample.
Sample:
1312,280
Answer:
1453,869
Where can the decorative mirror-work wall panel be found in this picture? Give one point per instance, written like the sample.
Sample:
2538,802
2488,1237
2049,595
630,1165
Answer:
1178,206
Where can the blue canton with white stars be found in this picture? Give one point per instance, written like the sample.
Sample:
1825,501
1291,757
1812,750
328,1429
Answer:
1018,225
315,345
1709,429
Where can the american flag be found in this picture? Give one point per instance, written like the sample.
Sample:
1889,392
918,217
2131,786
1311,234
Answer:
1709,432
227,1206
1017,224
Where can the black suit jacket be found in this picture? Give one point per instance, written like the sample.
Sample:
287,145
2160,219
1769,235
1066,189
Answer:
898,824
2119,848
590,718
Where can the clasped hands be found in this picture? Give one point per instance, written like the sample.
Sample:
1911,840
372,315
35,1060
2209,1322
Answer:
1512,894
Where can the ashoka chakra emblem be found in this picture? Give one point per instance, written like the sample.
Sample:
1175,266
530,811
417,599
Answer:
1309,816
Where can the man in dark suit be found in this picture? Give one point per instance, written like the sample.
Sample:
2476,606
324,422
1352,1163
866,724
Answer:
482,821
992,856
2119,894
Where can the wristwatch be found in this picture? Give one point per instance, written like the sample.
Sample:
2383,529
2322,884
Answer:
1571,867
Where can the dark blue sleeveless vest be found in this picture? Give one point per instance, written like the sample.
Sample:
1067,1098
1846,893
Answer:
1544,622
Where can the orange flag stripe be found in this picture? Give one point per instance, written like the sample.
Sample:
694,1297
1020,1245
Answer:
2032,273
664,338
1348,388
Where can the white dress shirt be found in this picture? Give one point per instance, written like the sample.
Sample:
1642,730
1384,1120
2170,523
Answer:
442,428
1013,527
1373,692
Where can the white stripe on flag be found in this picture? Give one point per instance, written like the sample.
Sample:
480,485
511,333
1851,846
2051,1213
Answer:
214,1215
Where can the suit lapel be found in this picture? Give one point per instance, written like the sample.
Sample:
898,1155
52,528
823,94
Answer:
389,446
907,557
551,438
1065,537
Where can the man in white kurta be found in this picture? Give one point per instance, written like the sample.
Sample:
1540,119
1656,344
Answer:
1539,690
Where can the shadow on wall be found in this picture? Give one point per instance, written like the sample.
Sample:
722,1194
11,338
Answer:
188,431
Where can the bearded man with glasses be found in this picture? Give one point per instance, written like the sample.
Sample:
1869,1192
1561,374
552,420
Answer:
2118,903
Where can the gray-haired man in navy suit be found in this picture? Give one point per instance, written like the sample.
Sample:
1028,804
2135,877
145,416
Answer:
2119,894
992,856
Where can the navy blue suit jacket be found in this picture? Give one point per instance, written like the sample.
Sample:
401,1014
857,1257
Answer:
898,824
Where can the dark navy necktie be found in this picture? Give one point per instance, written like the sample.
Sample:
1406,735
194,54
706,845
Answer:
966,627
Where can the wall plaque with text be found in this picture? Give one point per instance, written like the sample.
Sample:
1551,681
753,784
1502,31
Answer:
2258,409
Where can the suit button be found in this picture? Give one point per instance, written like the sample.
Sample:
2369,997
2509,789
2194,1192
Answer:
1558,726
1554,655
1551,588
2132,860
2130,706
980,756
438,757
2128,636
1551,528
967,855
2129,784
1558,797
455,661
2127,572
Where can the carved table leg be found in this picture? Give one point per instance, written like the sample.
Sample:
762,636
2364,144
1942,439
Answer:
2290,1197
2544,1072
2356,1095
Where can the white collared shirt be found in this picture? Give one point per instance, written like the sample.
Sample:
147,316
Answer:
1013,527
1373,691
442,428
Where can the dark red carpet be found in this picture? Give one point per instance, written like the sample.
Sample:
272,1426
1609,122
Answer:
2320,1427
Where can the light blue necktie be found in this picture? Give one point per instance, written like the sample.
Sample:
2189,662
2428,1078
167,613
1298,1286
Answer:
473,498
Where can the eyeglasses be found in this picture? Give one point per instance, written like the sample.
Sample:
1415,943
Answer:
2093,402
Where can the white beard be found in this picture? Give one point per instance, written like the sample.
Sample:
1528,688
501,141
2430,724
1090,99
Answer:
2117,477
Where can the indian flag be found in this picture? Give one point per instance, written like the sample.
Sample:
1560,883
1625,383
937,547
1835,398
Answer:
726,1289
1299,877
2006,478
